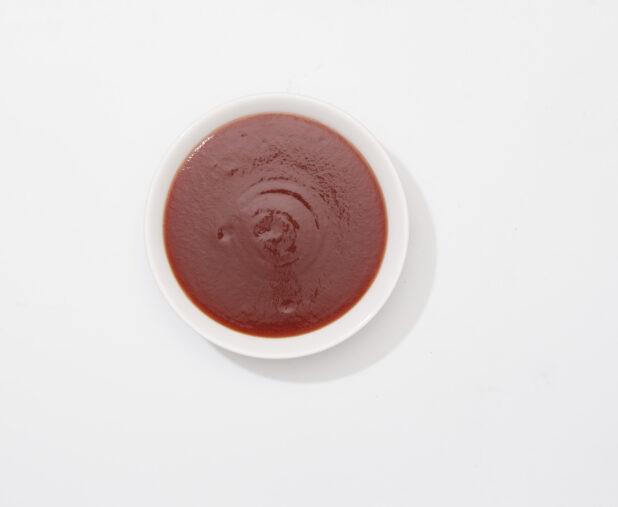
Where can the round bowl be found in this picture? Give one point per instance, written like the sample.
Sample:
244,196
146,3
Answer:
396,243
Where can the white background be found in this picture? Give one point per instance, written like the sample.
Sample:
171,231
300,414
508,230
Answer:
491,376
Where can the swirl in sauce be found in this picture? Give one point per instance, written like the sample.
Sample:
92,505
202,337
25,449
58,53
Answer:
275,225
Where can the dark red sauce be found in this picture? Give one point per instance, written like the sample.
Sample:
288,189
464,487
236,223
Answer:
275,225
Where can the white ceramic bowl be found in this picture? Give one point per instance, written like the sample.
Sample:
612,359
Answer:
359,314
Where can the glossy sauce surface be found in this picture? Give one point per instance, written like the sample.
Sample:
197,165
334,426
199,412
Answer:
275,225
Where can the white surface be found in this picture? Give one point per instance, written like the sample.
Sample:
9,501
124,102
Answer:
503,391
396,244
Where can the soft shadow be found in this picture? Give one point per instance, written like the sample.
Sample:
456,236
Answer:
389,327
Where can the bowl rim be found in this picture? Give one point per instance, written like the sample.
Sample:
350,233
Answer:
396,243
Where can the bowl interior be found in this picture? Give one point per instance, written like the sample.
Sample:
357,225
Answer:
359,314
